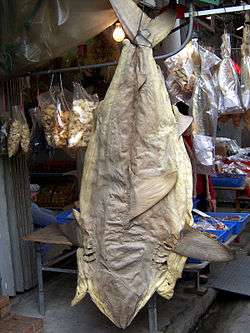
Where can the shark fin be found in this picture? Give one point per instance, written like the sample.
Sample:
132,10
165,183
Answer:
150,191
196,244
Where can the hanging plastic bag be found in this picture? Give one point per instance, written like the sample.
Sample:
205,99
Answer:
81,117
62,113
205,115
230,94
25,135
245,71
19,134
14,137
181,76
37,140
4,124
47,105
55,107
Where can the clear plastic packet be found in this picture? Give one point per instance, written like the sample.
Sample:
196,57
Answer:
25,135
47,105
81,117
14,136
4,125
245,65
37,140
62,113
55,110
181,76
205,115
19,134
229,84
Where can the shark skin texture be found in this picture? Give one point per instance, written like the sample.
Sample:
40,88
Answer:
136,193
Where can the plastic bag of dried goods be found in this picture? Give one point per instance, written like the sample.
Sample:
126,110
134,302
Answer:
55,110
4,124
19,134
62,113
205,115
229,84
81,117
25,135
14,136
47,104
245,71
37,140
181,76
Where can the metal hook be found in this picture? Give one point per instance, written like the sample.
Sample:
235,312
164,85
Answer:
51,82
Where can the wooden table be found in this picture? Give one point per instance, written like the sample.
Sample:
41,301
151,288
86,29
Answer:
49,235
238,192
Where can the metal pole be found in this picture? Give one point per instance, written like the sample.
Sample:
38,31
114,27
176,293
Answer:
152,314
40,279
218,11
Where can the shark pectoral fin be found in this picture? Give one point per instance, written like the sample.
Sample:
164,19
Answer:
196,244
149,191
183,122
82,285
160,27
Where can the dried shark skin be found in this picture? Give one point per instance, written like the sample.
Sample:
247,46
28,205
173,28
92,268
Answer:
136,195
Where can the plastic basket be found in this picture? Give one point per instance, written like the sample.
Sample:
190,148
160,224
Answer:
66,217
238,225
228,181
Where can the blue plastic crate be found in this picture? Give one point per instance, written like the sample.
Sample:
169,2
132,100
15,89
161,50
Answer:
228,181
238,226
66,217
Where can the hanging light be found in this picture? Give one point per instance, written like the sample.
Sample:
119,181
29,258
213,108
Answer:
240,28
118,33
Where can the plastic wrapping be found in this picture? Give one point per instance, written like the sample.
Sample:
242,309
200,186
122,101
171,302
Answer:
81,117
34,31
245,71
4,123
205,113
37,140
19,134
229,84
181,75
245,65
55,107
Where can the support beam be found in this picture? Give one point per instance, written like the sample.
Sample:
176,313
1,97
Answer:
219,11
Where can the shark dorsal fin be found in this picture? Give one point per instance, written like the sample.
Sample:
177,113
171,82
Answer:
140,28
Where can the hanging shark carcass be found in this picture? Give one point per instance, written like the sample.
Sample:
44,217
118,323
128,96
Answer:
136,195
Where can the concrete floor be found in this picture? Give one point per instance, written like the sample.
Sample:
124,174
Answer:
175,315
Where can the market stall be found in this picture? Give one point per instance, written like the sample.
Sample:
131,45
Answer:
147,143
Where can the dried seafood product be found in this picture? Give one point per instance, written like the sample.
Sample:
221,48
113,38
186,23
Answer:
229,84
81,117
135,238
15,132
205,114
245,71
55,107
4,126
181,73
